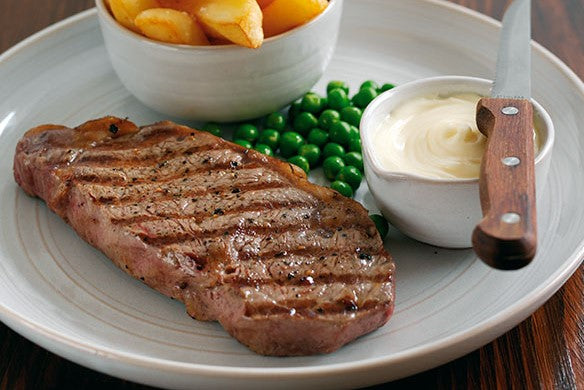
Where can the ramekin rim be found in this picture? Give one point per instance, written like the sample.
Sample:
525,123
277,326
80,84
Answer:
393,175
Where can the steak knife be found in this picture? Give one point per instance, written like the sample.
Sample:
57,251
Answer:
506,237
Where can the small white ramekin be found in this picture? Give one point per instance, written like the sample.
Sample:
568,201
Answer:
441,212
222,83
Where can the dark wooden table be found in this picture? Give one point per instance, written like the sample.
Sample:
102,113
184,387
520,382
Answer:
546,351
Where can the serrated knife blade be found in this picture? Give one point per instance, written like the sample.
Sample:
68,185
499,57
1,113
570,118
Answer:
513,74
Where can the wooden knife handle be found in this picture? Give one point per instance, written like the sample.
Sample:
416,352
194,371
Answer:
506,238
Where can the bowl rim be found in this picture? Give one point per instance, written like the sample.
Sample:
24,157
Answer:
384,173
107,17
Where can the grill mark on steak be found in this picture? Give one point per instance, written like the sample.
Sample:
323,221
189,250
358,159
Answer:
149,136
136,159
65,154
262,301
166,170
294,267
309,308
262,219
255,178
247,245
309,280
248,213
304,271
180,232
261,206
303,281
256,215
156,177
287,267
161,195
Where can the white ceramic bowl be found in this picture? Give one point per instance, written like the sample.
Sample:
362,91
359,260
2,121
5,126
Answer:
441,212
222,83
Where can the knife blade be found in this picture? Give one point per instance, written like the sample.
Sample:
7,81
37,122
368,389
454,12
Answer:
506,237
513,72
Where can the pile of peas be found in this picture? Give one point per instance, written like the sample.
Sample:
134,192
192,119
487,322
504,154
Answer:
318,131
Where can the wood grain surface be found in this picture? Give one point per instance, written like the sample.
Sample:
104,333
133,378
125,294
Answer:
544,352
506,189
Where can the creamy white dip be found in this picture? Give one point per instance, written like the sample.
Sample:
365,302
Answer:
432,136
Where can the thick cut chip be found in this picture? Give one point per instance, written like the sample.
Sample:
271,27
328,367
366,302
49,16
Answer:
125,11
283,15
238,21
171,26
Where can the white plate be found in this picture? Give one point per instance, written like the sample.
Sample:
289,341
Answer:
62,294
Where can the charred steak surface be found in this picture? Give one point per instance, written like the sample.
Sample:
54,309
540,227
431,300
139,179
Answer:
287,267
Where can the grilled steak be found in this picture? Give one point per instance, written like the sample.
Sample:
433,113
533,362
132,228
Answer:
287,267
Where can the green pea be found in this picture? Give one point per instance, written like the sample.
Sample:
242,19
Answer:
318,137
332,166
340,133
352,115
386,87
369,84
327,118
337,84
269,137
338,99
247,132
290,142
342,188
304,122
311,152
243,142
294,110
364,97
276,121
213,128
354,133
265,149
333,149
381,224
351,175
354,159
312,103
355,145
300,161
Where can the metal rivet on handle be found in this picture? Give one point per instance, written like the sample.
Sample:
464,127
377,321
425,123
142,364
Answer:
511,161
510,110
511,218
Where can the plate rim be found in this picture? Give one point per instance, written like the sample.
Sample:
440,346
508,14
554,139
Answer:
523,307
